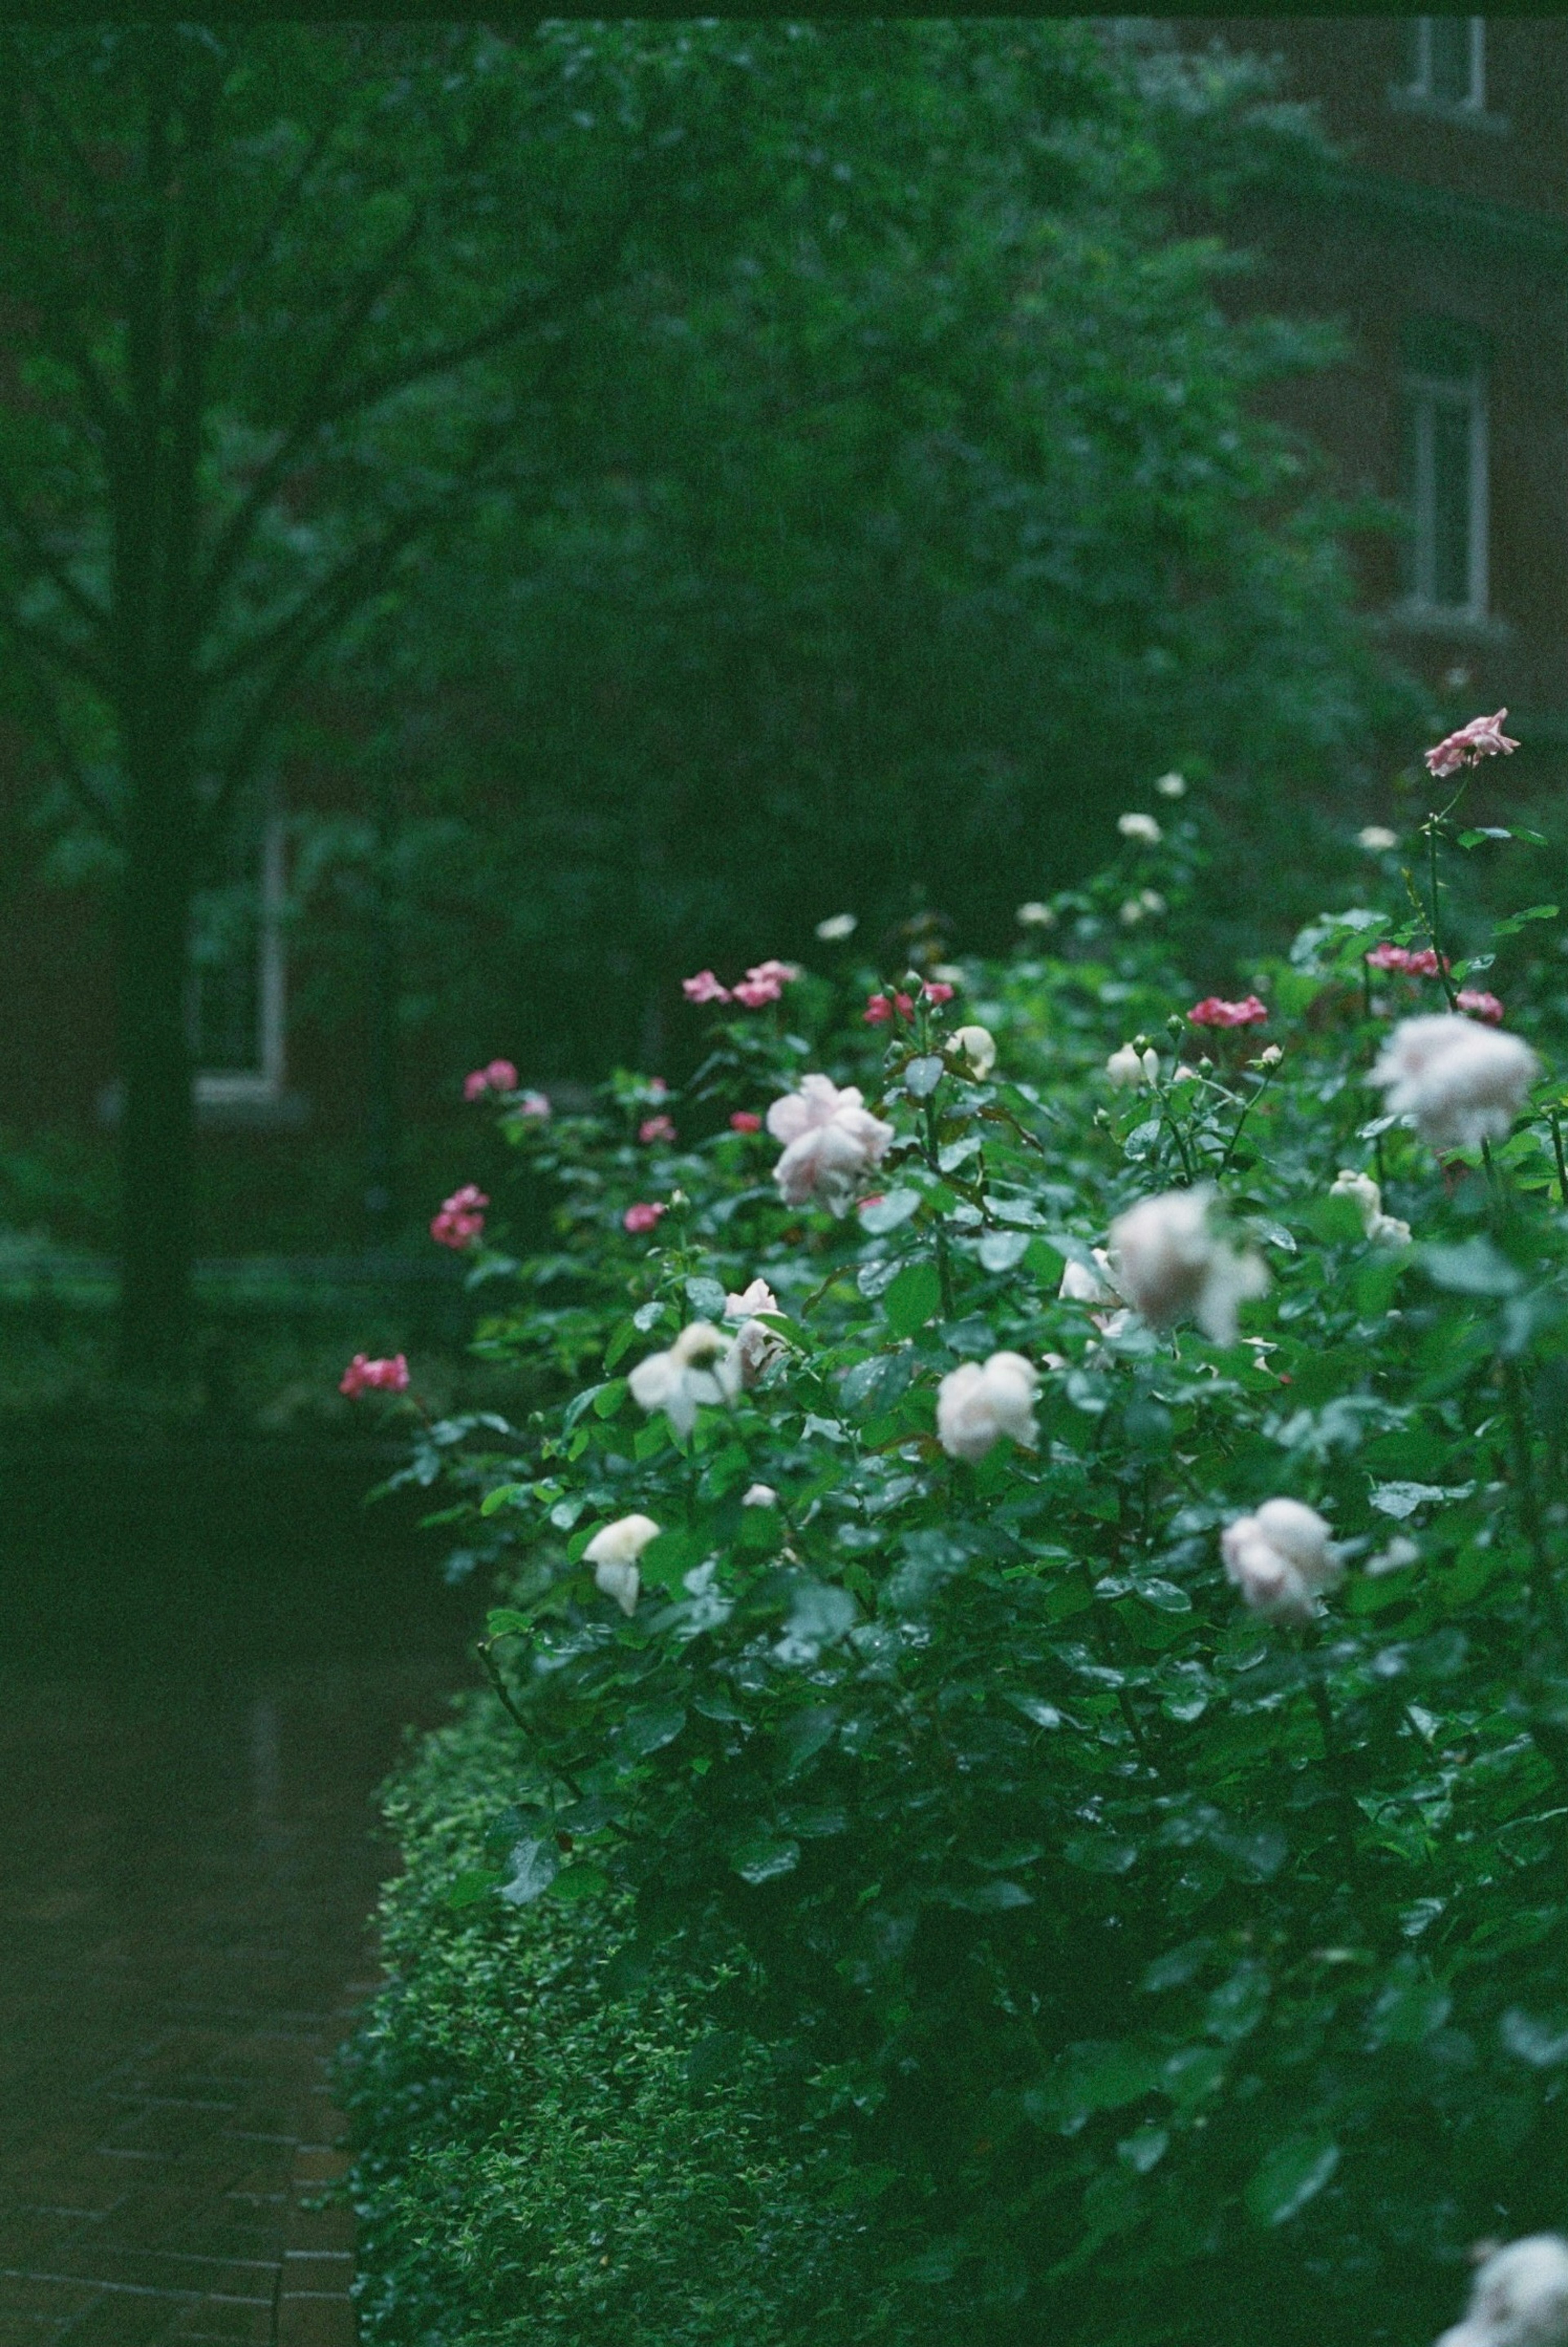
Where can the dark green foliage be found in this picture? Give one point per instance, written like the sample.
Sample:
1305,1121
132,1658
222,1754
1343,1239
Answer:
1195,1973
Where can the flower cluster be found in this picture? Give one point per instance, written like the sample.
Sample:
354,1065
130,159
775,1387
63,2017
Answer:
1420,962
363,1375
461,1220
763,982
1214,1011
501,1076
656,1128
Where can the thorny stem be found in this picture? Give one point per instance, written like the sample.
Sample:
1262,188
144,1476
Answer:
944,1266
1557,1151
482,1649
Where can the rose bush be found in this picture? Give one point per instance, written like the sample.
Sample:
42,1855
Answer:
1051,1595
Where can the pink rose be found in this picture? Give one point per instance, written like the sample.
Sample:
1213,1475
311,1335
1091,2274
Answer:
638,1219
831,1139
535,1105
1421,963
745,1120
363,1375
880,1008
1480,1005
461,1220
704,988
754,992
1212,1011
656,1128
501,1076
936,989
1482,738
782,973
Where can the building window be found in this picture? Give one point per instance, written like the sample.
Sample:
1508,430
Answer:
1446,474
1448,61
238,980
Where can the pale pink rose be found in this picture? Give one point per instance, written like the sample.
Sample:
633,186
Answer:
1462,1082
936,989
656,1128
756,1347
880,1008
363,1375
1168,1262
831,1140
1484,737
976,1406
1519,2297
1281,1560
704,988
501,1076
638,1219
753,992
745,1120
781,973
536,1104
1479,1004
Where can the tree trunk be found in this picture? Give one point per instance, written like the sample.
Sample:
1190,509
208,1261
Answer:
157,1126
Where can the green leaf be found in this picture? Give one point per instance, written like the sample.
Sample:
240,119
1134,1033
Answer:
1001,1250
583,1881
915,1295
472,1883
1293,2173
535,1865
504,1622
1542,2043
502,1495
763,1857
707,1299
608,1397
888,1212
922,1076
1474,1267
579,1402
649,1727
667,1560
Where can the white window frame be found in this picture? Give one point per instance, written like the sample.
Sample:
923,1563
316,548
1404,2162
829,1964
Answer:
230,1087
1426,393
1420,86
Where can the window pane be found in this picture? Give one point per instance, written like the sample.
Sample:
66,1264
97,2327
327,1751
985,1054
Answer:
1449,39
1451,502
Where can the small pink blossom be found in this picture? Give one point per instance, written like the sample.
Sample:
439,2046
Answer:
936,989
657,1087
782,973
1479,1004
753,992
880,1008
1484,737
745,1120
462,1217
1211,1011
1421,962
656,1128
535,1105
363,1376
501,1076
641,1218
704,988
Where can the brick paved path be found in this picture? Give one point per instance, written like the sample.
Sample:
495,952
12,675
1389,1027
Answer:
185,1876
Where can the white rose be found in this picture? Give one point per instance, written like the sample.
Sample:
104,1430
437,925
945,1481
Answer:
976,1406
1140,826
1385,1230
1128,1069
978,1045
613,1553
1168,1262
1518,2297
1183,1074
760,1495
755,1348
1035,916
676,1382
836,927
1172,786
831,1139
1281,1560
1375,837
1462,1083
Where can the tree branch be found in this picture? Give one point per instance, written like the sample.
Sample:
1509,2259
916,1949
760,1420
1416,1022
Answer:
81,169
59,578
47,710
265,243
61,650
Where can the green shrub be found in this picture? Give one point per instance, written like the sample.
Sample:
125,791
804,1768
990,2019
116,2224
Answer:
1117,1767
556,2144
